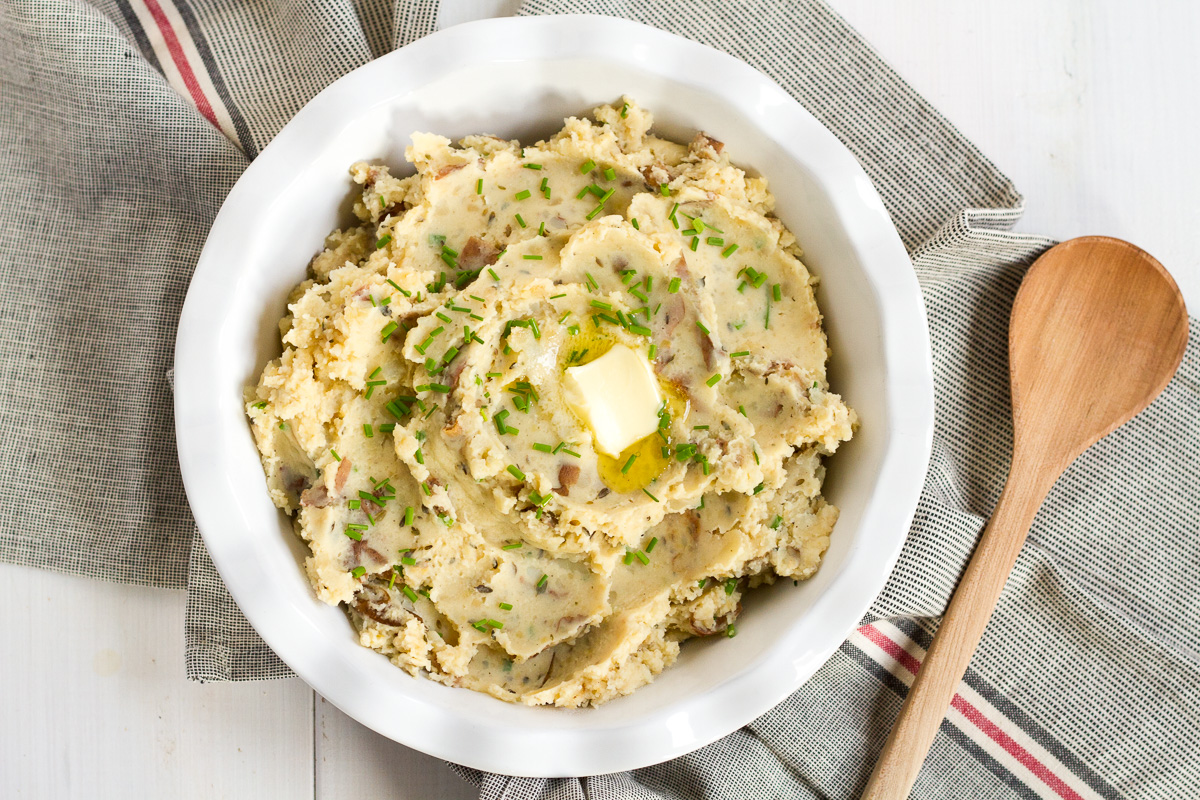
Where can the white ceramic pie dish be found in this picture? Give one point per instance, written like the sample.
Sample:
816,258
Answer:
519,78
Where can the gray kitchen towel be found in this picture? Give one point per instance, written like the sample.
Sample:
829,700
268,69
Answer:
123,124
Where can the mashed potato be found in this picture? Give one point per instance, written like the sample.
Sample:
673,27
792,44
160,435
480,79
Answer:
453,500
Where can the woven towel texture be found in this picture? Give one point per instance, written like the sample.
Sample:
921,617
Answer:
113,163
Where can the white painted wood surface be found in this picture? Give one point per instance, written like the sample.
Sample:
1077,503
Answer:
1090,106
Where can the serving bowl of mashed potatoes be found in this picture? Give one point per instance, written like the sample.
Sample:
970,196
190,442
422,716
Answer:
562,412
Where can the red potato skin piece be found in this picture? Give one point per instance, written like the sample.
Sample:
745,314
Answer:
568,474
343,474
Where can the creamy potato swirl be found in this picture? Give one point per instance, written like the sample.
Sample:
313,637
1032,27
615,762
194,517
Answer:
417,428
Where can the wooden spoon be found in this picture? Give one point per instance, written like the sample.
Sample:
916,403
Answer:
1098,328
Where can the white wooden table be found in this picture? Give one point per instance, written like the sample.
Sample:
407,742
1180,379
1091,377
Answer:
1090,106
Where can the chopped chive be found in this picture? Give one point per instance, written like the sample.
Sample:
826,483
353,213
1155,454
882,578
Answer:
506,606
741,287
521,221
739,354
409,593
587,167
408,515
652,351
689,232
531,257
479,186
419,456
650,545
625,111
715,241
640,330
387,427
601,304
731,631
515,471
443,317
542,581
639,295
728,251
542,229
703,329
533,166
742,410
775,523
664,190
542,448
714,380
367,431
582,192
353,534
767,315
695,242
492,272
571,452
642,557
595,211
523,194
699,427
383,241
511,546
628,559
633,221
730,586
758,489
777,292
335,455
387,331
628,464
673,286
591,281
610,174
652,497
261,404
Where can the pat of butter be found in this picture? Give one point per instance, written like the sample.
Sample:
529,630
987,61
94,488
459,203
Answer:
617,396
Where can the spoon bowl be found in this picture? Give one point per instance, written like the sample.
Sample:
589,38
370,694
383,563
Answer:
1098,329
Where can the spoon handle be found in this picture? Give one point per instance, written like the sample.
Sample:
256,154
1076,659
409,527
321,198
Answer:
959,634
